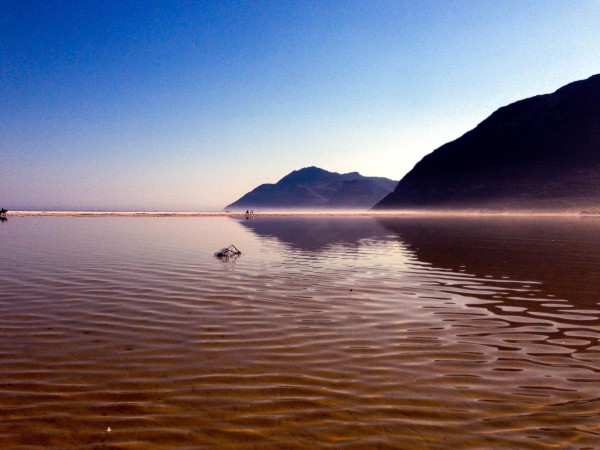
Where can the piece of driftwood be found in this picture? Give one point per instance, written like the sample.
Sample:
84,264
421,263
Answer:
228,252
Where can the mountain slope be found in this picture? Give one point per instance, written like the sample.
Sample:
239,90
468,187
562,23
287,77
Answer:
315,188
542,153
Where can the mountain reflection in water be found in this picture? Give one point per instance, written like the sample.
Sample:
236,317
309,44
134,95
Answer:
538,251
561,256
521,267
314,233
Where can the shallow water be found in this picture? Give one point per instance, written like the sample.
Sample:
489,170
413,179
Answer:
325,333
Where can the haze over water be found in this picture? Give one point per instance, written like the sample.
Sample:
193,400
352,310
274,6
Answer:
334,332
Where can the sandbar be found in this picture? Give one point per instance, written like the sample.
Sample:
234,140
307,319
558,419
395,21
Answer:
321,213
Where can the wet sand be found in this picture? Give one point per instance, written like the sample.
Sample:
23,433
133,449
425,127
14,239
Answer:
382,333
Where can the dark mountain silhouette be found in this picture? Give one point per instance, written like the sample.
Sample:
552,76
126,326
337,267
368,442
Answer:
539,153
314,188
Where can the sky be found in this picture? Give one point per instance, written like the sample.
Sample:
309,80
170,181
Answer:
187,105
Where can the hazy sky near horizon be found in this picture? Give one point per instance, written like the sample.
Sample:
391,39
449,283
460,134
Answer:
187,105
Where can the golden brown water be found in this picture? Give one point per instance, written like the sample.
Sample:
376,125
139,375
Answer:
325,333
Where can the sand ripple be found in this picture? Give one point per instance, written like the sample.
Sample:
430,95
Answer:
132,324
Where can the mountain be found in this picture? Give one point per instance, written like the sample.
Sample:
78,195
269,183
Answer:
314,188
539,153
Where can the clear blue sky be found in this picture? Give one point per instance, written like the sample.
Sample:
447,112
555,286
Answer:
187,105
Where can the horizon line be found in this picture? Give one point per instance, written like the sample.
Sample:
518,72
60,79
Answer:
307,213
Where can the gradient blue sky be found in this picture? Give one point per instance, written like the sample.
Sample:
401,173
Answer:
186,105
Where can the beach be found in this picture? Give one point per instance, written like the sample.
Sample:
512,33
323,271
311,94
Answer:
327,332
308,213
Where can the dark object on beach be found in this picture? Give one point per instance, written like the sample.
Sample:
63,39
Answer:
228,252
3,213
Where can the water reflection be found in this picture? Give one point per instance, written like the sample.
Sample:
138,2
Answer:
315,234
561,255
540,278
558,258
539,272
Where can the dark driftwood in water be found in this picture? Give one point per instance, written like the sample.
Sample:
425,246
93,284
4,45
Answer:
228,252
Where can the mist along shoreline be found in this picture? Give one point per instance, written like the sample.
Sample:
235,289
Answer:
300,213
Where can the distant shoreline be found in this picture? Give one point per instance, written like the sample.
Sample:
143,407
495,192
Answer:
405,213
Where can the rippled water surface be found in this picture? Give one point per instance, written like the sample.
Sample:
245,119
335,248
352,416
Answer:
325,333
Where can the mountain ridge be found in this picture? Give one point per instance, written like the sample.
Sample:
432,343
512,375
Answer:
316,188
542,152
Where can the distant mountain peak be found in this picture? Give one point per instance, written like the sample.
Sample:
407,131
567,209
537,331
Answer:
308,175
316,188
